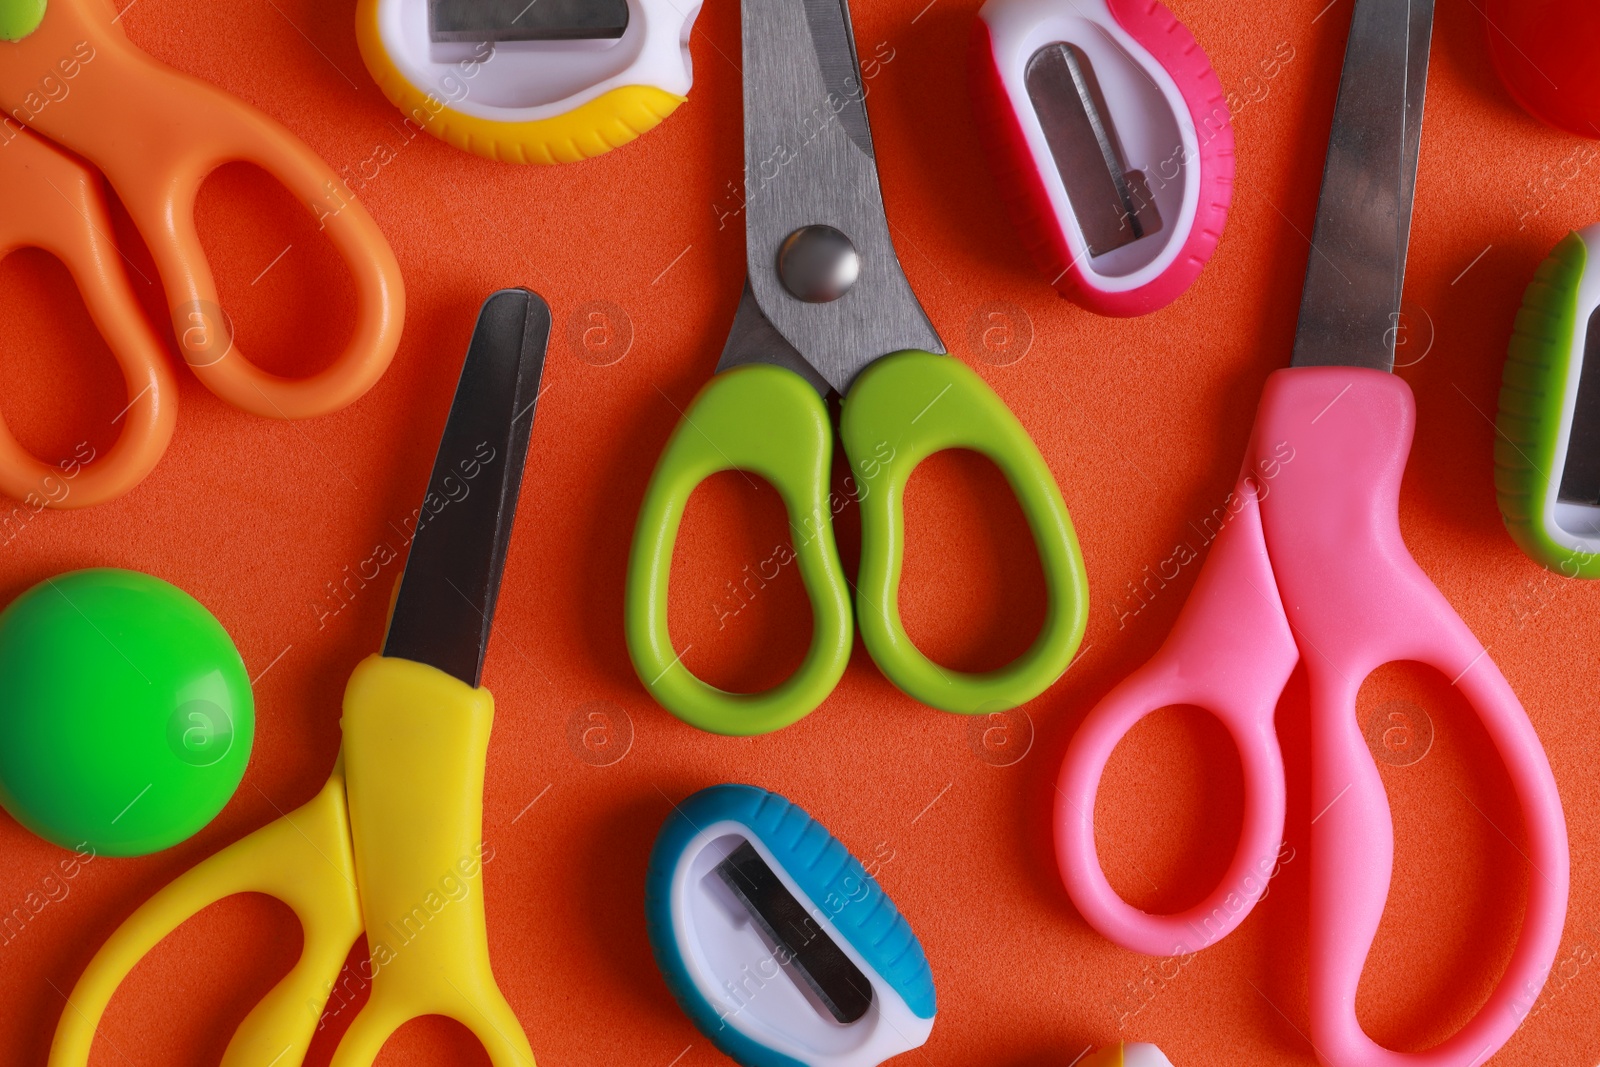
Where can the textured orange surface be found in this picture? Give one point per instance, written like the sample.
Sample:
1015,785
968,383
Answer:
1143,422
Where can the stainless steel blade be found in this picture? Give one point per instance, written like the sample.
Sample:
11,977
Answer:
445,605
1111,203
526,20
1419,41
753,339
1350,306
833,38
1580,470
809,161
792,933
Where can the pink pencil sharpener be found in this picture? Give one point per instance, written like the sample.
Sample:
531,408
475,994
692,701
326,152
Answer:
1109,134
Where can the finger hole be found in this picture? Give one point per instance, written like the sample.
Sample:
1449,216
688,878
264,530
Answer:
737,610
199,964
1170,810
972,590
426,1039
288,299
1460,879
62,394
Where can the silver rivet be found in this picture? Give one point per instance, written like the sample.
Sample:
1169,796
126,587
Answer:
818,264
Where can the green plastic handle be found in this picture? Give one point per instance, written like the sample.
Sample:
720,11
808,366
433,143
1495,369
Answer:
768,421
901,410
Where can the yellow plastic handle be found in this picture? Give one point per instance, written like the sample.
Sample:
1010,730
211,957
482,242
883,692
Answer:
304,860
415,740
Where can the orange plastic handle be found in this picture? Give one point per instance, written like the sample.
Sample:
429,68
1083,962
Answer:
157,134
51,201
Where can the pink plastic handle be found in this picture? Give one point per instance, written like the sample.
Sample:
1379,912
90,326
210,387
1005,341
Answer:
1359,600
1230,652
1316,527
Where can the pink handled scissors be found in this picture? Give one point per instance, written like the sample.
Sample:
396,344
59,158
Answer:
1314,569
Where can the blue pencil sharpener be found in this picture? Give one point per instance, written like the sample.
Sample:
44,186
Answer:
775,940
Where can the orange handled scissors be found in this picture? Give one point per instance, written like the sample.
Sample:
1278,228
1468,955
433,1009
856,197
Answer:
72,85
393,844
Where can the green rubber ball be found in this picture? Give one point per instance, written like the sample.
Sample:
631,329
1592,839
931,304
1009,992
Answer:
126,716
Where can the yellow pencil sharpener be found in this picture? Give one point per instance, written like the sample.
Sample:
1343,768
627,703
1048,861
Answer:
530,81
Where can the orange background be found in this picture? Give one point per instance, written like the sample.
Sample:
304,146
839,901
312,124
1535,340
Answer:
1143,422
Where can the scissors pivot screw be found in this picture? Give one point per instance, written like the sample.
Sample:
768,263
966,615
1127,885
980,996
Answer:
818,264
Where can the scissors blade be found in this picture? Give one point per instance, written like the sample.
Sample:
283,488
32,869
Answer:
809,161
445,606
1419,39
753,339
1350,306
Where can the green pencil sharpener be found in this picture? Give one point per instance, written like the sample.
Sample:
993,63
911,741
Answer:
1547,448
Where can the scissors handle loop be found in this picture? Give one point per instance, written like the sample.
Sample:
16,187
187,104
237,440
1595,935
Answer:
415,743
901,410
304,860
51,201
156,134
770,422
1334,511
1230,652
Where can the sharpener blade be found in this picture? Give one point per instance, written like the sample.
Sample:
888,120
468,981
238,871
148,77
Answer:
1112,204
525,20
837,982
1580,473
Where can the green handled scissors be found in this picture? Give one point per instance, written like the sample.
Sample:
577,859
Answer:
826,307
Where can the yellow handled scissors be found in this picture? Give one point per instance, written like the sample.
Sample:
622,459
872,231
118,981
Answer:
386,844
